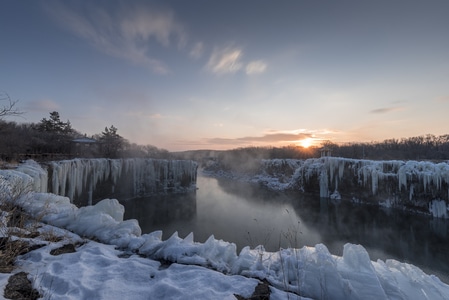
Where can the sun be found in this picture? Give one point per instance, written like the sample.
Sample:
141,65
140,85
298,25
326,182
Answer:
306,143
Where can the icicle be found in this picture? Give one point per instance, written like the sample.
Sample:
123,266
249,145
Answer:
402,178
324,184
438,209
341,169
374,181
73,177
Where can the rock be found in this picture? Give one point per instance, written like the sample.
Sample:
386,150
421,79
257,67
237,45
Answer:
19,287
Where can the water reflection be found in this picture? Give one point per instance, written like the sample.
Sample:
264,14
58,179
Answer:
248,215
156,212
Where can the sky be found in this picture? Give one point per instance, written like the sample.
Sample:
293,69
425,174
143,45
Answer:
200,74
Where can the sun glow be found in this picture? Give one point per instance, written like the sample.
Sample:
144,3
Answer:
306,143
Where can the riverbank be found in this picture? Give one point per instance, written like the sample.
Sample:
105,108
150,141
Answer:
114,260
43,261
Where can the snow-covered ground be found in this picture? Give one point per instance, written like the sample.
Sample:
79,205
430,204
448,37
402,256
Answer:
113,260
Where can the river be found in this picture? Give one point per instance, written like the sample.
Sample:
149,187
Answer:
248,215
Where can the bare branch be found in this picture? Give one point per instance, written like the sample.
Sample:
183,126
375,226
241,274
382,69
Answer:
9,106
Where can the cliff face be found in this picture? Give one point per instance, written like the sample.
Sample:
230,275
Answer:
87,180
421,186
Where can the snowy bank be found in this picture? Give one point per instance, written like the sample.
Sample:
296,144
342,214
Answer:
310,271
418,185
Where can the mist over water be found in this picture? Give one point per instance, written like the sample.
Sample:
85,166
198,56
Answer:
248,215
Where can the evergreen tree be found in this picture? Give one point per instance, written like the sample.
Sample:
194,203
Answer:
111,142
55,135
55,125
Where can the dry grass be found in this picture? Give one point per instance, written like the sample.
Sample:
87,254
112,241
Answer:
16,227
9,250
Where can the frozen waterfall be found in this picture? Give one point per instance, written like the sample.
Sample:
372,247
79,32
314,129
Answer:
88,179
417,185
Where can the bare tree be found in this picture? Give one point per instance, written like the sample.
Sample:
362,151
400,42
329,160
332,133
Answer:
8,106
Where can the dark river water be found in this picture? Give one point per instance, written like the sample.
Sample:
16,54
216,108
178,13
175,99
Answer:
248,215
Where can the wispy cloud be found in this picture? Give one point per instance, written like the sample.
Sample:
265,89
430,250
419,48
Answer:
384,110
256,67
230,60
225,60
126,33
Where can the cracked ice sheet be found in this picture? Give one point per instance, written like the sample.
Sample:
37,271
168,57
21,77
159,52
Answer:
95,271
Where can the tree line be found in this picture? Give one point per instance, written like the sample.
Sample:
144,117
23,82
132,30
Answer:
425,147
52,138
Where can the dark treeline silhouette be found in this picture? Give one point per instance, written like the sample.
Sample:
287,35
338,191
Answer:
426,147
52,139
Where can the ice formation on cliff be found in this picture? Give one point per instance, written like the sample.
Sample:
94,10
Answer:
71,178
422,184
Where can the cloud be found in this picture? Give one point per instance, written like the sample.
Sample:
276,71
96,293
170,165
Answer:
225,60
229,60
197,50
126,33
41,106
384,110
269,138
256,67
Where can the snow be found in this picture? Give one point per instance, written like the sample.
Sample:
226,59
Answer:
124,264
96,271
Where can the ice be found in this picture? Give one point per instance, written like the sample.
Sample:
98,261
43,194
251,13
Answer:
39,175
95,271
72,178
217,254
356,267
193,270
103,221
438,209
403,184
335,195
